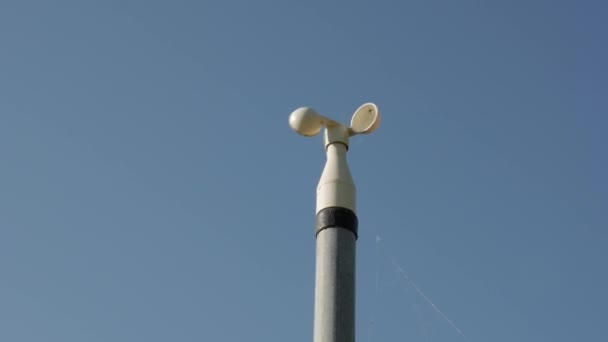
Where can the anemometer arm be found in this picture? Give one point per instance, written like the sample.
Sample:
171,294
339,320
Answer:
307,122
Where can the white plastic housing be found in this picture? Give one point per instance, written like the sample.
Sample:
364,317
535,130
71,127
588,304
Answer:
336,187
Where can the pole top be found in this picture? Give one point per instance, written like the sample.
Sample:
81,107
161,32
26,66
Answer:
307,122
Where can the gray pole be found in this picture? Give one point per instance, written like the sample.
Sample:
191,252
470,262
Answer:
336,223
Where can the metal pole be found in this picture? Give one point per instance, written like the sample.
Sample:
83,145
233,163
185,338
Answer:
336,223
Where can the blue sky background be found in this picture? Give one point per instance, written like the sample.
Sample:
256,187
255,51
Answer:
151,189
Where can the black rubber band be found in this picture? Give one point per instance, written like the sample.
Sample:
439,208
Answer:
337,217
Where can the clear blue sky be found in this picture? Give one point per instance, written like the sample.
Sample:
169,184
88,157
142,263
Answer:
151,189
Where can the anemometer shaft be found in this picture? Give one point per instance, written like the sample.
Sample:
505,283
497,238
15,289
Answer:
336,234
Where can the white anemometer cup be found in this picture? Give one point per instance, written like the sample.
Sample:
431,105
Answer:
336,227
